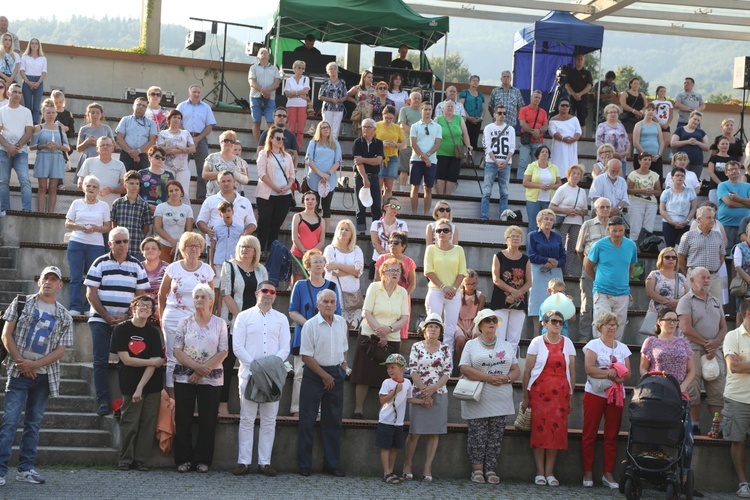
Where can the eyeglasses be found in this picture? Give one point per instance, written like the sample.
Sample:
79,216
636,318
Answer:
277,138
392,205
228,141
158,157
194,245
491,319
394,242
326,127
670,257
670,320
120,242
157,94
444,209
363,126
555,321
611,325
280,116
395,270
268,291
143,305
246,247
443,230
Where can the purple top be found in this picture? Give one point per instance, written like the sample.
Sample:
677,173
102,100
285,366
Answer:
671,356
155,277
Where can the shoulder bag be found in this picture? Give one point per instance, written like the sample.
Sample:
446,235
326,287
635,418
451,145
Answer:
649,321
738,286
525,137
468,390
459,150
294,200
352,300
602,384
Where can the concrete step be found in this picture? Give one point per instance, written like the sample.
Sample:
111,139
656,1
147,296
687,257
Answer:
55,419
71,438
68,404
68,386
65,455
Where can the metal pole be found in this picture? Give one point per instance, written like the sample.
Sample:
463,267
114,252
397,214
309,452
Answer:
598,94
276,47
223,59
445,63
533,63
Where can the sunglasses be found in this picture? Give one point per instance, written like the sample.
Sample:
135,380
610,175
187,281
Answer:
670,257
394,242
158,157
229,141
501,112
564,105
280,116
426,130
277,138
158,94
120,242
444,209
490,320
382,88
268,291
443,230
392,205
555,321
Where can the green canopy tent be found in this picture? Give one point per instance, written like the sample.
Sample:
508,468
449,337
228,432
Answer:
382,23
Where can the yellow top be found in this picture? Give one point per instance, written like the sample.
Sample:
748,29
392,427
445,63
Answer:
386,310
446,265
737,386
386,133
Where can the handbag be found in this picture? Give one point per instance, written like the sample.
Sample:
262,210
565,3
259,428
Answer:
648,242
351,300
459,150
295,184
356,115
468,390
523,419
649,322
601,384
526,136
624,116
370,345
560,218
738,286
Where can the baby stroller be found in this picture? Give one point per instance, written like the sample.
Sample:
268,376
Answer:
656,441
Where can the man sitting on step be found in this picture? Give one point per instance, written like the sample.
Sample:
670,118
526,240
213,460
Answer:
36,336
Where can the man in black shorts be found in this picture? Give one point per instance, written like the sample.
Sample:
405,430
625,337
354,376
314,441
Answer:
578,84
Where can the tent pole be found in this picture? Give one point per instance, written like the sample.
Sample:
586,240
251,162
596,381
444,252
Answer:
598,100
276,43
445,63
533,63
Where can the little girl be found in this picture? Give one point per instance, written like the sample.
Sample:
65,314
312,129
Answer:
50,142
65,119
472,301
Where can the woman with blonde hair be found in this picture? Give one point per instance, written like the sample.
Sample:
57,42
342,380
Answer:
274,192
361,94
297,90
322,161
571,201
344,264
49,167
442,210
604,153
10,61
93,130
33,73
175,294
179,145
154,110
224,160
612,132
511,275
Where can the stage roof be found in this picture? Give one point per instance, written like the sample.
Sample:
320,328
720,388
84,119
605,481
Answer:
717,19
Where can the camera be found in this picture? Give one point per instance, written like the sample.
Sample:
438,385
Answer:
562,73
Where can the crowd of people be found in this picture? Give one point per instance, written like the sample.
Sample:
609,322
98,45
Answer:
134,249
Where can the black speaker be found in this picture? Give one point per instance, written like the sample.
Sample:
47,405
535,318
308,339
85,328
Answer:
195,40
382,58
741,73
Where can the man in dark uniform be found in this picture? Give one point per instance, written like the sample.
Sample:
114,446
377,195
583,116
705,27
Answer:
578,84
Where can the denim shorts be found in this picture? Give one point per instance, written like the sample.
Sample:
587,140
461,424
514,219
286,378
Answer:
390,171
262,107
420,170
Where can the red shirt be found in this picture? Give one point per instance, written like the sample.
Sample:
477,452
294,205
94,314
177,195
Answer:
529,115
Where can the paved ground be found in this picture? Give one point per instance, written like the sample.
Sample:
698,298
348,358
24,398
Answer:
101,483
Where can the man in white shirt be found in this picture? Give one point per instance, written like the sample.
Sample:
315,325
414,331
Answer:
613,187
259,332
209,216
199,120
451,94
109,170
499,146
323,350
425,137
17,127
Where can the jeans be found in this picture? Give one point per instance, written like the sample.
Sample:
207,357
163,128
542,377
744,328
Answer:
20,163
503,178
532,209
101,336
375,209
80,257
33,394
525,150
32,99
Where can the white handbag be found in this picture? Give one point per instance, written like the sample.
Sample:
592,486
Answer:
468,390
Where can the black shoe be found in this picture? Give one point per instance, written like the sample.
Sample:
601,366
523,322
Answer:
358,416
697,493
140,466
304,472
696,430
331,471
103,410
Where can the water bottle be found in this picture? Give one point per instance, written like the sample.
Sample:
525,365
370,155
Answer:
715,423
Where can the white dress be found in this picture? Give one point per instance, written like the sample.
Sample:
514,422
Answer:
346,283
564,155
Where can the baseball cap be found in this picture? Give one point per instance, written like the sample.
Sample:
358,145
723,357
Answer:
51,269
395,359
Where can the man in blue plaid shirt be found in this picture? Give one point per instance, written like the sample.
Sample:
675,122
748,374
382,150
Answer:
36,337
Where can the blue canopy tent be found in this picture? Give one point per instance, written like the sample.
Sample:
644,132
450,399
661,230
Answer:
541,48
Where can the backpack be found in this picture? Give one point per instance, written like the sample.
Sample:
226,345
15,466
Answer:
279,263
20,305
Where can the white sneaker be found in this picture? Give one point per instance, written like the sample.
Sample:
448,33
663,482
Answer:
73,312
30,476
2,480
2,214
744,491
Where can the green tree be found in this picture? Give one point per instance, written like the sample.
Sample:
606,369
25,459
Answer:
719,98
625,74
458,71
591,63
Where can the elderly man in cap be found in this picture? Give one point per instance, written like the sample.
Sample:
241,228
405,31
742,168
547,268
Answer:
37,330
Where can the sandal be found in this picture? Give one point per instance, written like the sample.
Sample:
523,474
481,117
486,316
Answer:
182,468
492,478
552,481
391,478
427,479
202,468
477,477
407,476
540,481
